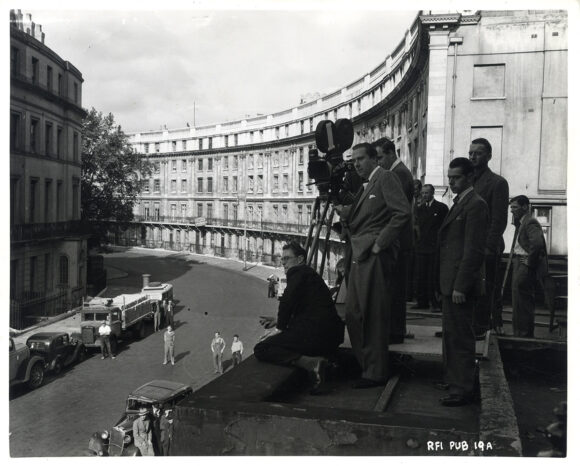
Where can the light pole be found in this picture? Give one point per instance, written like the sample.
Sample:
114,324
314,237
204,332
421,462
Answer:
243,198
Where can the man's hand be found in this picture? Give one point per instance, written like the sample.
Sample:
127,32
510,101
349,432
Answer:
375,249
458,297
268,322
338,207
524,260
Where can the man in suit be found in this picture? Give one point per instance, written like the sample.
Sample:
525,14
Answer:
494,190
461,247
430,215
307,328
374,223
388,160
530,264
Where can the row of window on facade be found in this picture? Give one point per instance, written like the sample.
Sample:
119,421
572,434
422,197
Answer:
50,143
45,201
40,273
49,82
252,160
255,184
279,213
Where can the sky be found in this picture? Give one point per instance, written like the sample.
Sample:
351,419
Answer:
150,67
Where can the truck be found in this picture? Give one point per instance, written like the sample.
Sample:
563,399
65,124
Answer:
157,291
127,314
25,368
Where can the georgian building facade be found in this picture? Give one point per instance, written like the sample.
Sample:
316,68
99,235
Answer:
47,254
452,78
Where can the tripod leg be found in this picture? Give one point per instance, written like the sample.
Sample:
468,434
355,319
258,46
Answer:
313,217
326,247
313,252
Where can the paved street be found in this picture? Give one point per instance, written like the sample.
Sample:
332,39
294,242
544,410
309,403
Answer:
58,418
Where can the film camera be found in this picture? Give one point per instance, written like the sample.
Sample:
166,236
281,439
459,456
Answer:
328,171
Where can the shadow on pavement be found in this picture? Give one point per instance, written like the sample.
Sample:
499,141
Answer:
181,355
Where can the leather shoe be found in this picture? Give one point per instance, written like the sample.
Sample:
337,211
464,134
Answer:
367,383
409,335
455,400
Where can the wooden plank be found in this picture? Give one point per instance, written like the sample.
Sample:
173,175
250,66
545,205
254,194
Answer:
383,400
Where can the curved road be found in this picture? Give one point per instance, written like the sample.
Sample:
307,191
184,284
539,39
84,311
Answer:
58,418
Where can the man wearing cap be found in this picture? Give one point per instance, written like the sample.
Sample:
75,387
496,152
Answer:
142,433
166,426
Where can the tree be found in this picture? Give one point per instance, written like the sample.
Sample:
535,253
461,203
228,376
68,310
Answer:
111,172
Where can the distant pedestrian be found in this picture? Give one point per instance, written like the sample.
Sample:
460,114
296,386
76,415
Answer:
105,334
142,433
156,316
272,279
218,345
237,350
169,314
163,307
169,343
166,425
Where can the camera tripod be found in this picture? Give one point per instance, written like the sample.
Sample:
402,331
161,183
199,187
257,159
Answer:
322,215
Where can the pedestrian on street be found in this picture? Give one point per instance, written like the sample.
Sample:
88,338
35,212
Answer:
142,433
237,350
169,343
169,314
156,316
156,429
166,425
105,334
218,345
163,307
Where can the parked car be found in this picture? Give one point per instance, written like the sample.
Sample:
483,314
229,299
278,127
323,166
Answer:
119,440
25,367
57,349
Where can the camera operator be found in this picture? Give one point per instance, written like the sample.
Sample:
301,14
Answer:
374,223
308,329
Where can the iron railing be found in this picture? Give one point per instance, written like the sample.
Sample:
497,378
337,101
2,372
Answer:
37,231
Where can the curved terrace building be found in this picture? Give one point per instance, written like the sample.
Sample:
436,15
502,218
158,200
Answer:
452,78
47,252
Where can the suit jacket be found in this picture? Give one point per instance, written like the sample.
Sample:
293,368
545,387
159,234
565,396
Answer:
531,239
306,307
406,179
494,190
379,214
461,247
429,220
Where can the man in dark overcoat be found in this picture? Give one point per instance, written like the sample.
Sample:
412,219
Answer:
430,215
494,190
307,328
461,248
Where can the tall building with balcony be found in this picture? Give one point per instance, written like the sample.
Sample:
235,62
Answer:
452,78
48,253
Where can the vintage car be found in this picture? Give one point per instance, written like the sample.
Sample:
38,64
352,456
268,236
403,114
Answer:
119,440
25,367
57,349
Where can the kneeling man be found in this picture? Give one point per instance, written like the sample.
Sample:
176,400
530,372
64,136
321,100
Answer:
308,329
